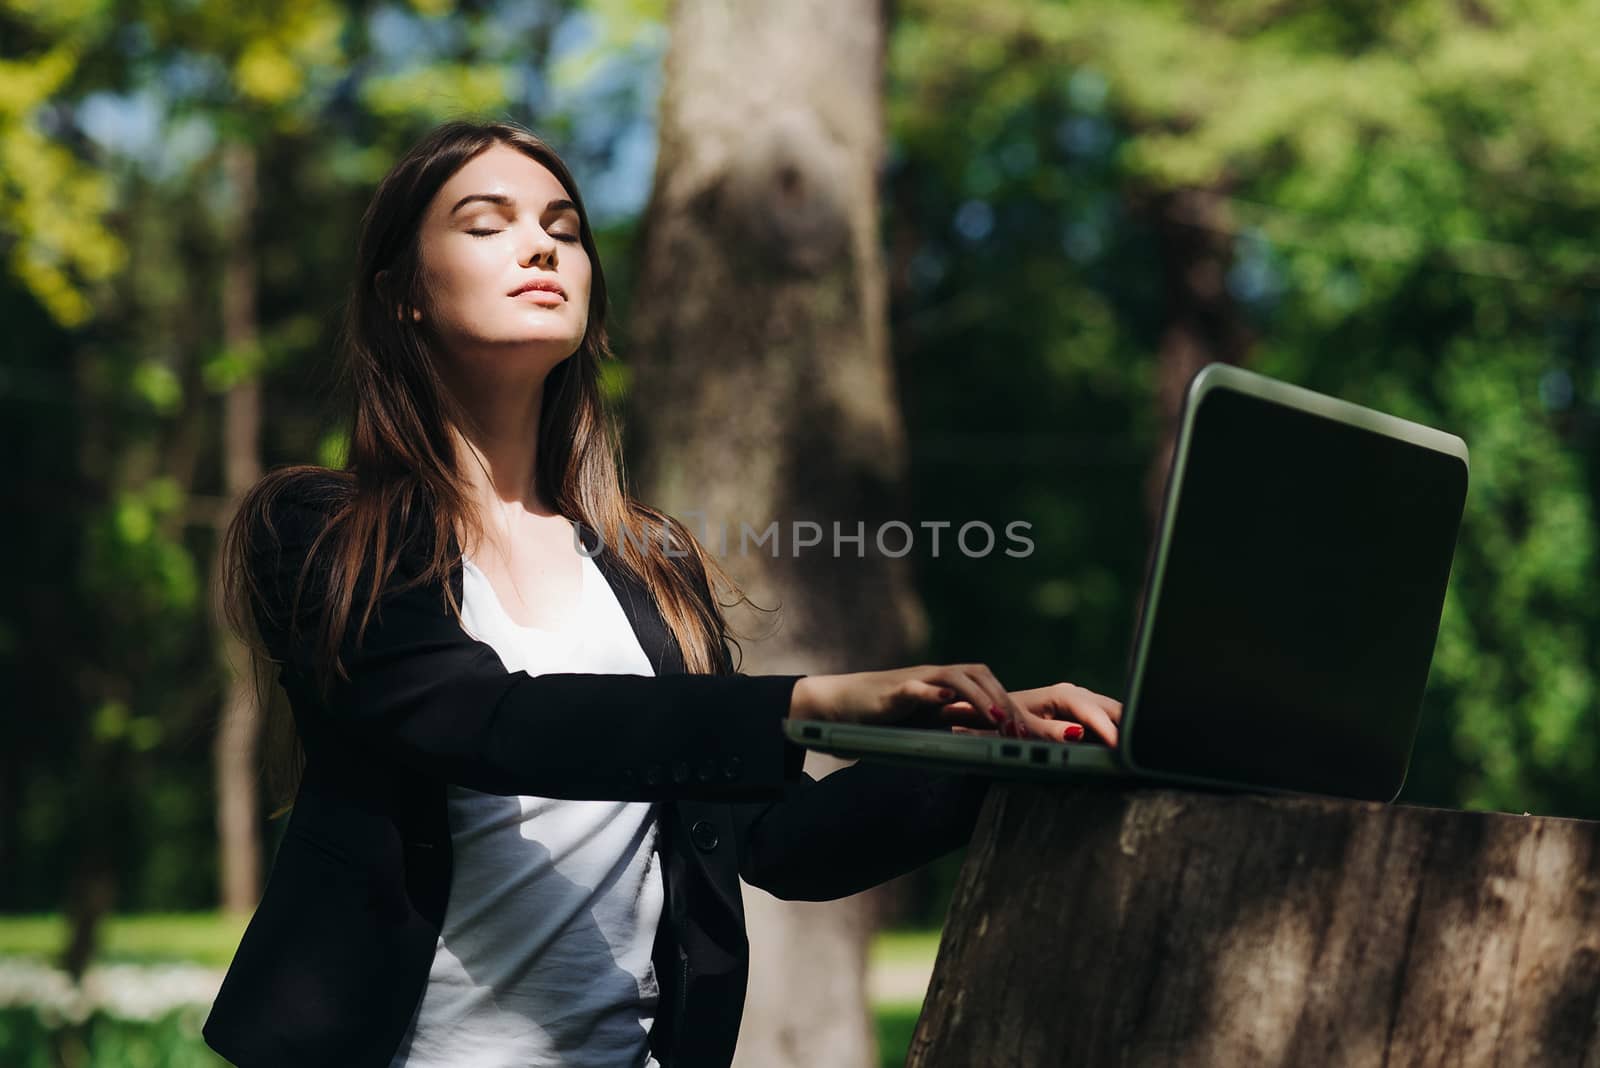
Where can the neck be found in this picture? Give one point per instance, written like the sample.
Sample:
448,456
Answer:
499,456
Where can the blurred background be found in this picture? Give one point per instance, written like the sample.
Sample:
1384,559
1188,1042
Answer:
1073,206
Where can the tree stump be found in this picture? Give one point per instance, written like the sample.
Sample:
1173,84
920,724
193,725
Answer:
1125,925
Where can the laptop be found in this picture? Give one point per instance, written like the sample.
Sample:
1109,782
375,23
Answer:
1290,612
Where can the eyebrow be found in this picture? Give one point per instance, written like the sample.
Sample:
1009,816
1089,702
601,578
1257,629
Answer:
505,201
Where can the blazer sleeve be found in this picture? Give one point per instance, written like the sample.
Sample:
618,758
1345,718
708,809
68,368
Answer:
854,829
860,826
423,692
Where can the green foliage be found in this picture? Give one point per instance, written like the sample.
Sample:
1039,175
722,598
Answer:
334,448
1410,188
145,574
53,206
28,1040
440,92
120,130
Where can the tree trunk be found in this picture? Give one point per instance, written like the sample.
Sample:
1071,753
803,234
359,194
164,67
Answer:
763,393
1203,324
1166,927
237,740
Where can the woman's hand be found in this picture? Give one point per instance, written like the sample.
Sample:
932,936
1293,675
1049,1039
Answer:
1065,709
938,693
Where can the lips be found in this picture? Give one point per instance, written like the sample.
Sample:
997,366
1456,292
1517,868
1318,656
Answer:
541,289
540,296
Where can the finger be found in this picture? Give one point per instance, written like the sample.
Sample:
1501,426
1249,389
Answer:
1024,723
927,692
1112,708
1067,700
964,714
1064,730
1092,715
974,731
972,694
936,699
1039,727
969,690
1000,707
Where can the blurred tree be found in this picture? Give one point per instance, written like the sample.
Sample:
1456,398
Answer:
269,89
178,116
1202,323
762,393
61,251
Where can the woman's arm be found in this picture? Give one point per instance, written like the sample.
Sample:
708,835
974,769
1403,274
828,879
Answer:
423,692
854,829
860,826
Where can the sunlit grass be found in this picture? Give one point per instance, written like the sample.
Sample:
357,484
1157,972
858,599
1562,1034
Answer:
904,947
895,1021
211,937
208,938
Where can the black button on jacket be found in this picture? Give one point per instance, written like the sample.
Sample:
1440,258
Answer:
335,960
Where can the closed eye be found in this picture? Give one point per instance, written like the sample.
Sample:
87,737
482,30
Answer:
559,237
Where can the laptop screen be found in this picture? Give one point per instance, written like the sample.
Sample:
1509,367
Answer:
1299,605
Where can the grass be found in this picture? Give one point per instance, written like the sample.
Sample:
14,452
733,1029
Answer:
895,1021
207,938
904,947
210,938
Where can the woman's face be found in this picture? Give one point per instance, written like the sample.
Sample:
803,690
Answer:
501,222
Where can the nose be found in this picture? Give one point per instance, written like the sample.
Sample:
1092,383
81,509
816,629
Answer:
541,247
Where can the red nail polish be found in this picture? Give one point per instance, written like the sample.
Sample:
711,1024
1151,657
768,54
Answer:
1074,732
996,715
947,695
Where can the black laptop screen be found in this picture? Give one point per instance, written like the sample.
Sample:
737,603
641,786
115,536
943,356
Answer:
1300,603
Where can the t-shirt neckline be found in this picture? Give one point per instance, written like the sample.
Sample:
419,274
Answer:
585,583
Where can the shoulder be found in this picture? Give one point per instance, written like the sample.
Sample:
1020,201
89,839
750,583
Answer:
284,516
294,504
305,489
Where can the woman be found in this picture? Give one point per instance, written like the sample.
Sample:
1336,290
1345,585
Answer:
531,777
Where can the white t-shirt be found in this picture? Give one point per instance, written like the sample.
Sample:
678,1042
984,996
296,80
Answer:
544,957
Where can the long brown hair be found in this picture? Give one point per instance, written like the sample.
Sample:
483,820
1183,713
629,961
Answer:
401,460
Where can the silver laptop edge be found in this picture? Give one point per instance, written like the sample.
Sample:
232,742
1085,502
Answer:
1220,375
957,751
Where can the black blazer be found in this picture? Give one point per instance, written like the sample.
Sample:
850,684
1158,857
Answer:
335,960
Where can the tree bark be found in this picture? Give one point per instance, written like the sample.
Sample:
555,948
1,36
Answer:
237,740
1202,322
1165,927
763,393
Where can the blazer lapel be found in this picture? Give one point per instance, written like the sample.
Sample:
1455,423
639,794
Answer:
666,657
655,638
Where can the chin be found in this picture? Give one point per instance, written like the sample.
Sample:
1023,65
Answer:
537,334
560,346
